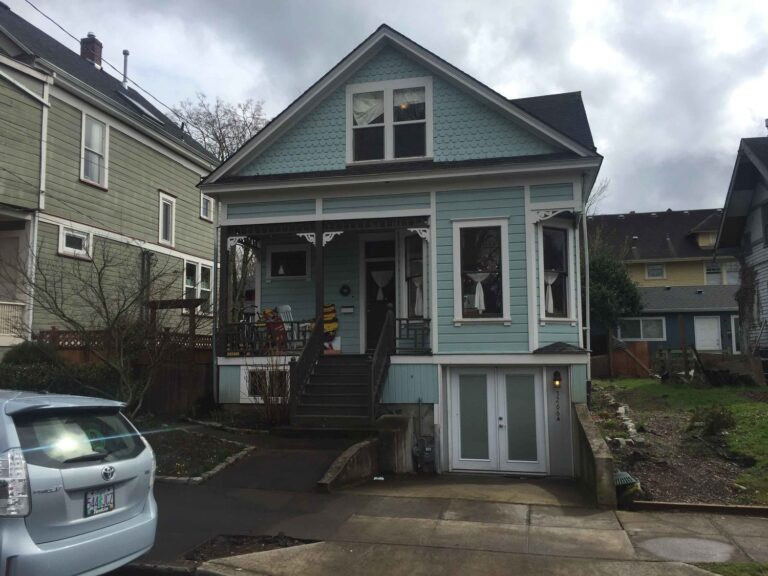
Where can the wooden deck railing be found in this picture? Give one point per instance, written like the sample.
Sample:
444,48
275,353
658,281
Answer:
412,336
264,338
98,339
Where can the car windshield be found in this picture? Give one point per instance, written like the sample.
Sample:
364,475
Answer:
62,438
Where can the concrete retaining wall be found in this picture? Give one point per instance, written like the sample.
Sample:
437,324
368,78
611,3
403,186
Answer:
358,463
595,461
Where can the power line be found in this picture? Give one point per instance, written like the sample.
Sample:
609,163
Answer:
108,63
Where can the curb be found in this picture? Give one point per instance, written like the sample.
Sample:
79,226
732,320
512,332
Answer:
734,509
140,569
194,480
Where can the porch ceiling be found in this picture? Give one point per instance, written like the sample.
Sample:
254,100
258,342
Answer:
361,225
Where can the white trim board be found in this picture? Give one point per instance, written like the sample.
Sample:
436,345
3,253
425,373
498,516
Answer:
115,237
382,37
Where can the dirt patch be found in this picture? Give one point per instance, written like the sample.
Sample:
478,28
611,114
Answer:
225,545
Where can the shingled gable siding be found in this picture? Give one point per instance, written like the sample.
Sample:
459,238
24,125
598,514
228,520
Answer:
136,173
758,259
265,209
20,143
482,337
463,128
551,192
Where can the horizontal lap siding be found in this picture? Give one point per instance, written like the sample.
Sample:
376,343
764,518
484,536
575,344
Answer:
229,384
409,383
463,127
20,133
550,333
480,337
551,192
375,203
130,206
265,209
579,383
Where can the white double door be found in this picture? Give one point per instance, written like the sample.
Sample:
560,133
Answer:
497,420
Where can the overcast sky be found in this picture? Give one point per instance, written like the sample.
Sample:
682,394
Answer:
670,87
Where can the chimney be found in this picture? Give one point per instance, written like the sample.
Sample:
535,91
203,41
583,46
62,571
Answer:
90,49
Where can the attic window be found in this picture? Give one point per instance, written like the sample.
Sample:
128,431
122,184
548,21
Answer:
389,120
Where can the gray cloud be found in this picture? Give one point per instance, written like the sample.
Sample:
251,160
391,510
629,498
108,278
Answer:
669,87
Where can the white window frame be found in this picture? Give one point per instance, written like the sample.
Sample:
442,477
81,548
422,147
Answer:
724,267
287,248
572,271
642,339
720,273
203,198
458,226
198,276
86,254
166,198
388,87
663,271
105,184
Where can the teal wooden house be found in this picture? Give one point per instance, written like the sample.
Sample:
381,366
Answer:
404,239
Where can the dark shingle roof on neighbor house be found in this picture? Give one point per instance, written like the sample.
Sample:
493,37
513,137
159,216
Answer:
688,298
664,235
110,88
563,112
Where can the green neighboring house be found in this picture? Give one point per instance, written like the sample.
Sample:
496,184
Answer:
435,226
85,159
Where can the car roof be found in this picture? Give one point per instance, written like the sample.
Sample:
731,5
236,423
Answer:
16,401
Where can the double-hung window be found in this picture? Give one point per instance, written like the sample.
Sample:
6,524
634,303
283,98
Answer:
76,243
655,271
732,273
167,221
197,284
389,120
480,259
555,272
94,151
713,273
206,207
414,275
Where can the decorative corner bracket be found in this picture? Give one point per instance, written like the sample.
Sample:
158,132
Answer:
233,241
422,232
308,236
542,215
328,236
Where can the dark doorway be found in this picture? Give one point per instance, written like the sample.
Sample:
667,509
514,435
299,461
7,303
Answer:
380,287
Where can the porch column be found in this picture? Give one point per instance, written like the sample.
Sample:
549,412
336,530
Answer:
318,270
223,312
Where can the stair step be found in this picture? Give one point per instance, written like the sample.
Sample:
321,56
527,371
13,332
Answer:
341,369
332,410
361,379
334,398
336,388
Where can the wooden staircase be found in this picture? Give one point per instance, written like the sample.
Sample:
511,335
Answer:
337,394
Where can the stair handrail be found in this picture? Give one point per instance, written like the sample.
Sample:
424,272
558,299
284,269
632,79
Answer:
300,370
385,347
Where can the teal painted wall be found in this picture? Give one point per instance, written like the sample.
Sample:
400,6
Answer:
277,208
482,337
373,203
550,333
406,383
463,128
551,192
229,384
341,267
579,383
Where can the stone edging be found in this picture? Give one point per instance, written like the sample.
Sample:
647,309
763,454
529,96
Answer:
622,411
194,480
219,426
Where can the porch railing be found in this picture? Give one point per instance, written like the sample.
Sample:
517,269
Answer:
385,347
412,336
11,318
264,338
300,370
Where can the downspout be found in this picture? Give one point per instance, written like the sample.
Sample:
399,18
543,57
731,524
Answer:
587,325
217,312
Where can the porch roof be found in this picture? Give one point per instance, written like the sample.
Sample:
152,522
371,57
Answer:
304,227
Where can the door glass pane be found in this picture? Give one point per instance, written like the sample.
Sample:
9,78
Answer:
473,413
521,417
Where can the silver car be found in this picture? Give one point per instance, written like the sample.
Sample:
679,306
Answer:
76,484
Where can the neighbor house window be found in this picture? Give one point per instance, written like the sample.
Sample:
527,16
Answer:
481,285
206,207
642,329
197,284
75,243
732,273
389,120
287,262
94,151
167,224
414,276
555,273
713,274
655,271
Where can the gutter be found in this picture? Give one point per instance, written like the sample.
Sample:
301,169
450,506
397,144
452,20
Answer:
217,312
587,324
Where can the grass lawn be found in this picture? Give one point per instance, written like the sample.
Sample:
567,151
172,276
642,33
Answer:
185,451
737,569
749,407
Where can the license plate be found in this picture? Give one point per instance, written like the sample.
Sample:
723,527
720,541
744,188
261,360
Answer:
99,501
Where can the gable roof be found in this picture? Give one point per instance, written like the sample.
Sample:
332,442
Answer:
750,167
563,112
562,131
41,46
668,235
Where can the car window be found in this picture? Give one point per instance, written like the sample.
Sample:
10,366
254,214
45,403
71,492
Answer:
67,438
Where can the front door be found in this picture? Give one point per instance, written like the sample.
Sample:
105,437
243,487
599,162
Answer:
707,332
497,421
380,287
